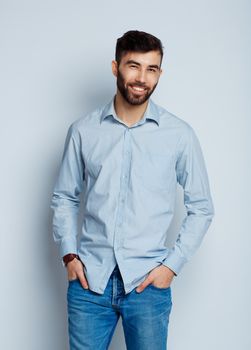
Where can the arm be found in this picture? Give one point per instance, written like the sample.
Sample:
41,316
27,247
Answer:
65,199
192,176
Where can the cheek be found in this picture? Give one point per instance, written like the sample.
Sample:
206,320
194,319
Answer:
153,81
131,77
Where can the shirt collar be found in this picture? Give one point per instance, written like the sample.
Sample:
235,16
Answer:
152,111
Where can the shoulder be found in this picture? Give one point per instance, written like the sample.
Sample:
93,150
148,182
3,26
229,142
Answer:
83,123
174,122
89,119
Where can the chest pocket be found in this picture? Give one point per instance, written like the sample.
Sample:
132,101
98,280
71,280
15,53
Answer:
155,171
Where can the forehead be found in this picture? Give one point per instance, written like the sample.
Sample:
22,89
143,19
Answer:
143,58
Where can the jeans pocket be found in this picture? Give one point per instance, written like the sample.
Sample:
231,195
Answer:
159,288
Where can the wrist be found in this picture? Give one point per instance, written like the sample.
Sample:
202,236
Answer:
69,257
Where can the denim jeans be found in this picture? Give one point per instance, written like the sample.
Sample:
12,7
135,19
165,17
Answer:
92,317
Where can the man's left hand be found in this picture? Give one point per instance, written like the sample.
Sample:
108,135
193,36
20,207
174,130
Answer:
161,277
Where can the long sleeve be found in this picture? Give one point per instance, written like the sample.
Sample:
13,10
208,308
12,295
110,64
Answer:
192,176
65,199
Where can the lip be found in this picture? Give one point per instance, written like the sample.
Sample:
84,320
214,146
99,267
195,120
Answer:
138,90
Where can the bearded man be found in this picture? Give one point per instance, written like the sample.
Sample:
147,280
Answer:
127,158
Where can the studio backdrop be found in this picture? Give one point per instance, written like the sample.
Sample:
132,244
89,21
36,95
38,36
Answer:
55,67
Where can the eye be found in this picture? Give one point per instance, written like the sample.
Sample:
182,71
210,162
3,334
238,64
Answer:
153,70
133,66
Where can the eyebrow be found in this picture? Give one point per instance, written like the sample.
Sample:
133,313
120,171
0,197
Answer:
138,64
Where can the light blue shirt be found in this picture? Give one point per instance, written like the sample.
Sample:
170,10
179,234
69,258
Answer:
128,177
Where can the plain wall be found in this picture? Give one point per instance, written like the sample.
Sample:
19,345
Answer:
55,66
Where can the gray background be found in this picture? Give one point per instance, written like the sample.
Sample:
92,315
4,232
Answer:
55,66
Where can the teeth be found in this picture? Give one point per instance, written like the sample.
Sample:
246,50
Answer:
137,88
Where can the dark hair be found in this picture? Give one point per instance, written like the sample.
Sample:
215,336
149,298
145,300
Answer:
137,41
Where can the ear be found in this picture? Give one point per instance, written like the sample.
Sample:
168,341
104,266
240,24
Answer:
115,68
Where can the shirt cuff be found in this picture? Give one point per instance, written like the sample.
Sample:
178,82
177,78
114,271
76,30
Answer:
68,245
174,261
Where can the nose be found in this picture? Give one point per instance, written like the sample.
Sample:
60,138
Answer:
141,78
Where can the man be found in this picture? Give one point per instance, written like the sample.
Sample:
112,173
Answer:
127,158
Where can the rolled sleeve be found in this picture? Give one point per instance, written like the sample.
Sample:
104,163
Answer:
192,176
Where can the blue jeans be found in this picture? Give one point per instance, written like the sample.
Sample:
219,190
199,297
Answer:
92,317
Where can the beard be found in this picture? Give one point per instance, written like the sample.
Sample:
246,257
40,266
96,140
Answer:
128,95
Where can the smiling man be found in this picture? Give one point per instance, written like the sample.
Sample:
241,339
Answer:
141,74
127,158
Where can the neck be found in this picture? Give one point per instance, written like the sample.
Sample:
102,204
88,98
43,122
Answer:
128,113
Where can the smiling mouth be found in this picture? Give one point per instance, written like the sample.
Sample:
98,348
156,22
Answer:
137,89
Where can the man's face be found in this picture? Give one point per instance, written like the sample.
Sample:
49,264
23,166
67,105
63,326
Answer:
137,75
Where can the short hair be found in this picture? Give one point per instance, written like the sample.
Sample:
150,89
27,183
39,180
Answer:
137,41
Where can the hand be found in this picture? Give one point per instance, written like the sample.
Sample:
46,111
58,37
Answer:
161,277
76,271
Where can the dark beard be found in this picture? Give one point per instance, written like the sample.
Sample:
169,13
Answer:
138,100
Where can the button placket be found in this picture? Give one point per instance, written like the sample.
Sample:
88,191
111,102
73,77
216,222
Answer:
126,159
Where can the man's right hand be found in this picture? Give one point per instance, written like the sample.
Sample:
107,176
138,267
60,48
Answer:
75,269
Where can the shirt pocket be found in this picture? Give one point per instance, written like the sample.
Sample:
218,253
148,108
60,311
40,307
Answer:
154,170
